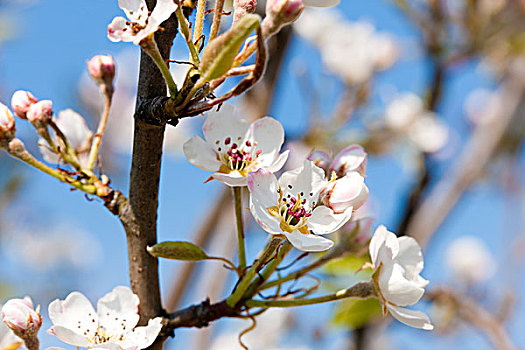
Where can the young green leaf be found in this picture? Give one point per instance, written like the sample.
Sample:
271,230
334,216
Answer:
178,251
219,55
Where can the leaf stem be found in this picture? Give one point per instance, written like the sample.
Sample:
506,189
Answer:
149,46
199,20
185,31
362,290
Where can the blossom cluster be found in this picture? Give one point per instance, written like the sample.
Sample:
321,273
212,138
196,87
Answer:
304,204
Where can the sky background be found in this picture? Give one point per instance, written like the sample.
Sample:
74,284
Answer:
50,42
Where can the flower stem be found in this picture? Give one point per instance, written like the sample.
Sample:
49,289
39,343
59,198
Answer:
70,155
216,19
362,290
269,270
237,195
244,283
185,30
199,20
97,139
149,46
16,149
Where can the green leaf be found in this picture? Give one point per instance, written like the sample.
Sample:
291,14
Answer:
178,251
354,313
219,54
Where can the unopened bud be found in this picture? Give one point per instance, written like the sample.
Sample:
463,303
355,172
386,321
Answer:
341,194
351,158
355,236
21,101
102,69
242,7
40,112
321,159
20,316
7,124
280,13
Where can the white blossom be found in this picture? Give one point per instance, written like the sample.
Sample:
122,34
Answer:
140,23
470,260
233,148
8,340
406,116
112,326
291,206
397,263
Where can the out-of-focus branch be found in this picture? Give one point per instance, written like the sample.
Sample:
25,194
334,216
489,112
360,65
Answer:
473,313
470,164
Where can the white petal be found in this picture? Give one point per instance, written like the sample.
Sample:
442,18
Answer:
412,318
70,337
135,10
267,135
382,240
279,162
308,179
268,222
324,220
74,128
232,179
160,13
74,313
309,242
321,3
119,30
396,288
118,310
142,337
263,187
47,152
348,191
410,256
223,124
201,154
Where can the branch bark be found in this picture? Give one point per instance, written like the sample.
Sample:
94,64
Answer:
139,215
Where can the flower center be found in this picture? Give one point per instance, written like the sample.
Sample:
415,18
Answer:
238,156
293,212
101,337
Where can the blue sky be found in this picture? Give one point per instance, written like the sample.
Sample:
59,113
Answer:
52,39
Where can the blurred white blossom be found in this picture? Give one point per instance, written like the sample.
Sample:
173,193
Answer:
47,248
406,115
483,106
352,50
469,260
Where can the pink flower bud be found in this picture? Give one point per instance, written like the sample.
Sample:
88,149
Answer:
40,111
20,316
351,158
348,191
7,122
21,101
321,159
102,69
280,13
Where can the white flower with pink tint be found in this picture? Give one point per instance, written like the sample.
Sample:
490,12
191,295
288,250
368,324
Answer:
291,206
21,317
346,192
77,133
7,122
233,148
398,263
349,159
112,326
140,22
8,340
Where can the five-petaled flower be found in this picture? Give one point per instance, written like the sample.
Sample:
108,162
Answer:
290,206
112,326
234,149
397,263
140,23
